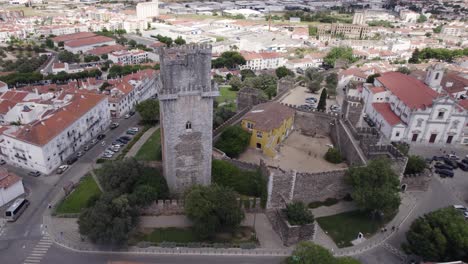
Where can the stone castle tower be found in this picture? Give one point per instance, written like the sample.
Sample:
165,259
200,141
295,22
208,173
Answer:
186,107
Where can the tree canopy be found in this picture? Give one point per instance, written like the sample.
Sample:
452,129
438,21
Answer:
313,80
283,72
310,253
66,56
149,111
179,41
438,54
375,187
339,53
439,236
211,208
233,141
416,164
297,213
265,82
228,59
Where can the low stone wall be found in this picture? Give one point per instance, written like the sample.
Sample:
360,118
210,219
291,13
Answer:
177,207
313,123
242,164
290,235
417,182
231,121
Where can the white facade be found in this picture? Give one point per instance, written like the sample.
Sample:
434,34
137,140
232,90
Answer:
402,115
9,193
128,57
147,9
39,146
85,47
263,60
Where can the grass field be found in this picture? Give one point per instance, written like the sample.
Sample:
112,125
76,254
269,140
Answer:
345,227
226,95
151,150
78,199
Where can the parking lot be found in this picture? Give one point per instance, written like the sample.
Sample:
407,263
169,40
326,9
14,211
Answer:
298,96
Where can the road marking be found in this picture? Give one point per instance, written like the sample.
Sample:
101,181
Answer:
45,243
37,254
39,251
32,261
33,257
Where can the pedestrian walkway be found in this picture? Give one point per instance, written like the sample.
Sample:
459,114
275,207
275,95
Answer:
134,150
39,251
407,205
338,208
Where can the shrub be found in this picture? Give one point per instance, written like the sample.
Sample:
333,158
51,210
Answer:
298,214
416,164
233,141
333,155
327,202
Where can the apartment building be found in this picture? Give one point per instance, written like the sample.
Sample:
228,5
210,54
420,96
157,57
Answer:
126,57
262,60
51,128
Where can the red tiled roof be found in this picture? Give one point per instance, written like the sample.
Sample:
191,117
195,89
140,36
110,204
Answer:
106,49
73,36
377,89
88,41
260,55
15,96
41,132
458,83
463,103
7,178
6,105
412,92
386,112
58,65
268,116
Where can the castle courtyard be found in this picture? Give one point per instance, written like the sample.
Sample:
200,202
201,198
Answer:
298,95
297,152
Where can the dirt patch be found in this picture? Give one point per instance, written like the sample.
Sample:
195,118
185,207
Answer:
297,152
298,95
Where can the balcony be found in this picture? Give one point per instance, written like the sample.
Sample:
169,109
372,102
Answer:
23,157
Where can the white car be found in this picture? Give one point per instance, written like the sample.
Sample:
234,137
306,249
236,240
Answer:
107,156
136,129
61,169
127,116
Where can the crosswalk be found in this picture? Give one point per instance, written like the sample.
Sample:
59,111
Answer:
39,251
2,226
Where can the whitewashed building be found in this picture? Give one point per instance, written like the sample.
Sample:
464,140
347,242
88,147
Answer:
126,57
407,109
58,130
11,186
262,60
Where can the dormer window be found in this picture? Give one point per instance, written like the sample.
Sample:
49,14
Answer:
188,125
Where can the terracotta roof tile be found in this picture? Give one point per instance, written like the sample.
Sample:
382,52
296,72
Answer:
88,41
386,112
411,91
7,178
73,36
268,116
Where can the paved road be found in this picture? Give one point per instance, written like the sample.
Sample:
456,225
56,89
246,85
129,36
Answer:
20,237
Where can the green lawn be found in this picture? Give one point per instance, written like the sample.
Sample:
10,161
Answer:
151,150
78,199
226,95
344,227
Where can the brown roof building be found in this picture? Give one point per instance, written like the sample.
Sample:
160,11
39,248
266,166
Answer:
268,116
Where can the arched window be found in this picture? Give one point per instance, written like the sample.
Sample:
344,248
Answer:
188,125
437,76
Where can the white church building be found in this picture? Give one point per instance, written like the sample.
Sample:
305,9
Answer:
407,109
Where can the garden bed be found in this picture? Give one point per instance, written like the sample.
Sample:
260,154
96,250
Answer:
79,198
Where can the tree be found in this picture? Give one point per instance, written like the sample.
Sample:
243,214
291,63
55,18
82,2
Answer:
313,80
322,104
331,83
61,44
283,72
49,43
313,31
233,141
310,253
297,213
66,56
437,29
342,53
247,73
414,57
132,43
264,82
228,59
109,220
415,164
371,78
149,111
439,236
211,208
235,83
375,186
333,155
404,70
179,41
421,19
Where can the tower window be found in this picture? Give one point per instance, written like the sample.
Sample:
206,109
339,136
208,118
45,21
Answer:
440,115
437,76
188,125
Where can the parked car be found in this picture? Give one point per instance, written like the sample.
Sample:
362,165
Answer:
463,166
94,141
465,160
61,169
72,160
460,207
335,108
87,147
131,113
313,99
34,173
107,155
444,173
123,141
114,125
101,136
2,162
136,129
127,116
465,214
115,148
453,156
442,166
79,153
131,132
451,162
126,138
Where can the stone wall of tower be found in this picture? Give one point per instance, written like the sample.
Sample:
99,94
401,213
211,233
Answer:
186,107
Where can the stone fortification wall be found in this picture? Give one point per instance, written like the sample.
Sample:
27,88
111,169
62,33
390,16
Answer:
285,186
417,182
235,119
352,109
313,123
289,234
343,140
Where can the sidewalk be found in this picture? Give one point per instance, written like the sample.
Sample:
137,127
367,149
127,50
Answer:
134,150
338,208
407,205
